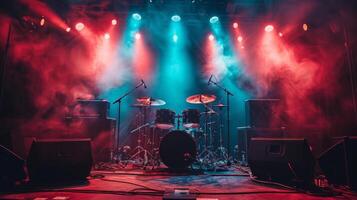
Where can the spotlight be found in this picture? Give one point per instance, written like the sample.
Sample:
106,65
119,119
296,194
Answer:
240,38
106,36
68,29
79,26
176,18
114,22
305,27
42,21
175,38
211,37
137,36
235,25
214,19
281,34
269,28
136,16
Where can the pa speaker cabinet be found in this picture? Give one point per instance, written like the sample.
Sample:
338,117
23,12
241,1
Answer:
288,161
244,134
339,163
59,160
263,113
11,167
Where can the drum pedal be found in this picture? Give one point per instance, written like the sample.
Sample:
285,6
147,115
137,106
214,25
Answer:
179,194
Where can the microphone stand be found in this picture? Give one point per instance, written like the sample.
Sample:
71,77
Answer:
228,94
117,130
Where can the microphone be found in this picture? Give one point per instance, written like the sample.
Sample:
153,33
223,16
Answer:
209,80
142,81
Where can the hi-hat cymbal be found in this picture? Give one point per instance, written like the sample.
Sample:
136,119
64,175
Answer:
210,112
220,105
148,101
139,105
201,98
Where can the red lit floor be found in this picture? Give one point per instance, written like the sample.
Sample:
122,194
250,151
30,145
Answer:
137,184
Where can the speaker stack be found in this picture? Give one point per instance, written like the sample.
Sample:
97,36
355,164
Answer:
263,119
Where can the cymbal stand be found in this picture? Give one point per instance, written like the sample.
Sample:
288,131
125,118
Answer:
221,150
115,151
141,154
207,157
178,117
228,94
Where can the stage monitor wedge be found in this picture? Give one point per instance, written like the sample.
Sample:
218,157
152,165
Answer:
12,168
339,162
287,161
62,160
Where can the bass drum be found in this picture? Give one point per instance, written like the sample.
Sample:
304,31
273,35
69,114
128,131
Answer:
177,150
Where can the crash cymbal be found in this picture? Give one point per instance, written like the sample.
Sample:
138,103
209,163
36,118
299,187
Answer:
201,98
150,101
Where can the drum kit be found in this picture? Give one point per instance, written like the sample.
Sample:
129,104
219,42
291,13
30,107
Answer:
188,137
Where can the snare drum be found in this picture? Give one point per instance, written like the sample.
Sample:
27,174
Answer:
191,118
165,119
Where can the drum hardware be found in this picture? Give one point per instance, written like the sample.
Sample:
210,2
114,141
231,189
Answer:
140,127
207,157
141,154
228,94
178,124
221,150
117,131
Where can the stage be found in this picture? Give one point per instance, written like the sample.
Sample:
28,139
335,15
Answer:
232,183
214,99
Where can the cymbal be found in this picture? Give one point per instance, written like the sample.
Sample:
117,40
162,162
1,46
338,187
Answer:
220,105
148,101
139,105
210,112
201,98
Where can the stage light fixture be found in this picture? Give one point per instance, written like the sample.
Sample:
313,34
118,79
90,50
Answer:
281,34
214,19
114,22
176,18
137,36
42,21
239,38
136,16
175,38
235,25
305,27
79,26
269,28
68,29
211,37
107,36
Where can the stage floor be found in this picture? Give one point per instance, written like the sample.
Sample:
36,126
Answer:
232,183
